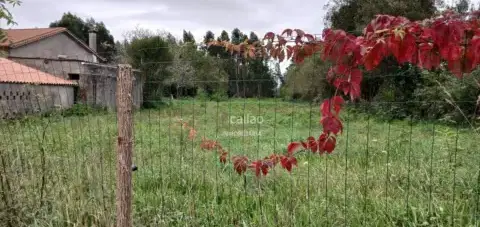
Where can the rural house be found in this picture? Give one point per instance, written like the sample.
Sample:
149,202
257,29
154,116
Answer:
60,53
25,90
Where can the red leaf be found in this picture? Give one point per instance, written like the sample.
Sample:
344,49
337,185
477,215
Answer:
298,40
299,32
269,35
281,41
428,58
208,144
240,164
309,37
402,49
312,144
331,124
275,159
281,55
335,103
223,157
289,52
294,147
288,162
326,143
451,52
375,55
350,85
260,166
287,31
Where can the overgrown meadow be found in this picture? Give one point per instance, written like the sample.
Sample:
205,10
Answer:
60,170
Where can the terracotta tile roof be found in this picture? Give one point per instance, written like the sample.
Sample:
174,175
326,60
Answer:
20,37
24,36
13,72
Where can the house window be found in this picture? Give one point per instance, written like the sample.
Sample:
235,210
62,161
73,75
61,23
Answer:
72,76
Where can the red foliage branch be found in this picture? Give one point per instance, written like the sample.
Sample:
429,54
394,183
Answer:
451,38
261,166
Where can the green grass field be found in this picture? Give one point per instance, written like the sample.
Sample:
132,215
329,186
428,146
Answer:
59,171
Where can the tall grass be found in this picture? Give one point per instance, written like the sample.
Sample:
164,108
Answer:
60,171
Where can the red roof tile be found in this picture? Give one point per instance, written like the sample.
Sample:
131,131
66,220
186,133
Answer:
19,37
24,36
13,72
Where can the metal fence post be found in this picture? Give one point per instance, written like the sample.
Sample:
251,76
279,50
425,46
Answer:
124,146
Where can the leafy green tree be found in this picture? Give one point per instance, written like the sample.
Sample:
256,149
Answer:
151,54
209,36
188,37
353,15
105,42
224,36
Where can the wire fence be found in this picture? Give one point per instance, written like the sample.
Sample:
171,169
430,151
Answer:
58,159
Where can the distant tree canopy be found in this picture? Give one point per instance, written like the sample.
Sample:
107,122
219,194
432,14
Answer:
80,28
353,15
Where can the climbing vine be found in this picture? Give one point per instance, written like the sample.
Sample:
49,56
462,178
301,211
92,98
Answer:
448,40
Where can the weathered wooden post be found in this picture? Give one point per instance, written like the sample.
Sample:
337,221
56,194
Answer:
124,146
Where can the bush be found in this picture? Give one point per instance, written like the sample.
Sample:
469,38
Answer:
82,110
427,95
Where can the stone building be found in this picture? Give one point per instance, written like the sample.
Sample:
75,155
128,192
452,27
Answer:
58,52
25,90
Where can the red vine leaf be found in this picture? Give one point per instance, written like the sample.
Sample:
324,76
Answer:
334,103
375,55
260,166
428,57
350,85
287,31
331,124
299,32
269,35
403,46
326,143
289,52
223,157
240,164
288,162
309,37
294,147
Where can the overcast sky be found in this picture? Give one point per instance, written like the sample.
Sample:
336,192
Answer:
173,16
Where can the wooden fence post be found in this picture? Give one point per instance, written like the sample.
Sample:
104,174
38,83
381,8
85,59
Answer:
124,146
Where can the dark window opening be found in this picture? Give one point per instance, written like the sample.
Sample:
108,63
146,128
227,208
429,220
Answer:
73,76
75,95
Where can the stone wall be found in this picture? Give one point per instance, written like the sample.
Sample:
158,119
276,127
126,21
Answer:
97,82
21,99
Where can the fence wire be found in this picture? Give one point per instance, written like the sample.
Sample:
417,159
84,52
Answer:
57,153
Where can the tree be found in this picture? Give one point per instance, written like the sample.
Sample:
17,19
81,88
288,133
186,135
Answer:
188,37
450,40
150,53
209,36
462,6
353,15
80,28
224,36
